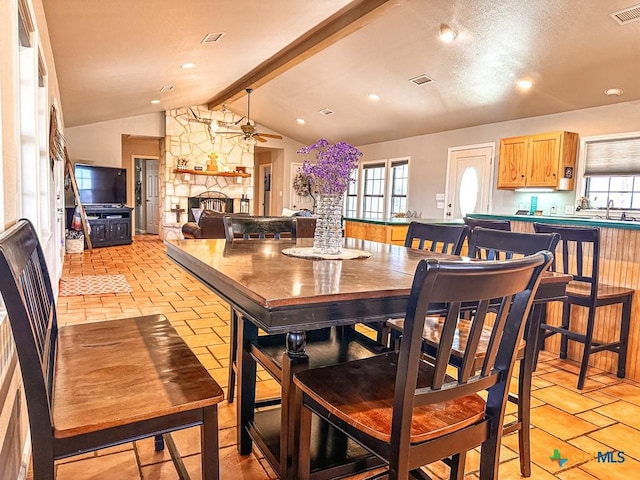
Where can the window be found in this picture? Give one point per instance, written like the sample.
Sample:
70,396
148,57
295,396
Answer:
399,182
373,185
380,189
612,172
351,204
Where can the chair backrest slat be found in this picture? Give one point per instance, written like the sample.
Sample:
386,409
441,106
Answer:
437,238
473,223
260,227
490,244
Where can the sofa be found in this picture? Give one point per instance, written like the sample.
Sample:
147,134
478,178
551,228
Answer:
211,225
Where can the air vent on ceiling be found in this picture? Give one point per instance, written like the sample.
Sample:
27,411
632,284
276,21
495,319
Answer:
326,111
212,37
166,88
421,80
626,15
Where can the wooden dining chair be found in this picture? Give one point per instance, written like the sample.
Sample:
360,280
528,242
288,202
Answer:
95,385
442,238
580,253
259,227
488,223
401,405
490,244
247,228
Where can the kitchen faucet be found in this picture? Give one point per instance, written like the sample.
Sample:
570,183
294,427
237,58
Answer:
609,206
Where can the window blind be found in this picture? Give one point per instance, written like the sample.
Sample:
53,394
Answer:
613,157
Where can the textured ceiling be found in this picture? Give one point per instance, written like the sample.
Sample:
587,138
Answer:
113,57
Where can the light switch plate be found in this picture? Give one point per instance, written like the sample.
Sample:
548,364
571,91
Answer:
439,204
440,196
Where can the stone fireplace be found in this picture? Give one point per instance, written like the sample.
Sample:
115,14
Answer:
192,142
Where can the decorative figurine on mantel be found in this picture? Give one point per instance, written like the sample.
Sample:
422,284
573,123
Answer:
182,164
213,162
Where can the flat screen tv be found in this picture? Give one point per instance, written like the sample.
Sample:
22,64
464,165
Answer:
101,185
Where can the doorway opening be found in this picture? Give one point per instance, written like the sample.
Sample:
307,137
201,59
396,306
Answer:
146,195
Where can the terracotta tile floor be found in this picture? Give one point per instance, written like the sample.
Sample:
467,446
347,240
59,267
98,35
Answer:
604,417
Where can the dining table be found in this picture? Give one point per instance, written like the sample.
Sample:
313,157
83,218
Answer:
300,313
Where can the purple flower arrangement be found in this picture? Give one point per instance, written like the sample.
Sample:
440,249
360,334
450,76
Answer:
331,173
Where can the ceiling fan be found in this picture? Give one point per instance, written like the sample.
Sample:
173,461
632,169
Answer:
249,132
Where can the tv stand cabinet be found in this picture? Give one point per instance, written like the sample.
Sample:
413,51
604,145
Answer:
109,225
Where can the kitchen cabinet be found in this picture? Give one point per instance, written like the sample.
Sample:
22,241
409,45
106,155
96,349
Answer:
377,232
546,160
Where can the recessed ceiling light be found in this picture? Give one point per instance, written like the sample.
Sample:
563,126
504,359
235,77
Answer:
447,34
325,111
166,88
524,84
300,121
155,101
187,65
374,97
613,92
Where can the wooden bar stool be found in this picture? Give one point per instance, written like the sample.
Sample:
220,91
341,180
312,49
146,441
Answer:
581,258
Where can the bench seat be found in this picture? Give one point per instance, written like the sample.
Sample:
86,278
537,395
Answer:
123,371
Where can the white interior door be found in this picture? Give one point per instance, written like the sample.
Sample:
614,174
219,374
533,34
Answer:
469,180
153,196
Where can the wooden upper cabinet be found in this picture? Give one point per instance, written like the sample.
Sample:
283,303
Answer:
512,166
543,160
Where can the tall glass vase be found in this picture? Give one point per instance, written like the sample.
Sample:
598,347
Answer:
327,238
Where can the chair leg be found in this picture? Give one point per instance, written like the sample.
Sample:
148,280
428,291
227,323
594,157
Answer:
524,413
587,348
43,464
566,315
304,449
209,453
624,337
457,466
158,443
233,354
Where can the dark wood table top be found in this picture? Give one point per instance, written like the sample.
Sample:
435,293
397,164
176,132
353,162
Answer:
283,293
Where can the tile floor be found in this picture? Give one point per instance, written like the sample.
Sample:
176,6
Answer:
604,417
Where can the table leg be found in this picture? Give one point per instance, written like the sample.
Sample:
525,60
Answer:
295,360
246,366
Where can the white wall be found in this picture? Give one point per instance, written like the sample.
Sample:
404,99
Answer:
428,153
13,426
101,143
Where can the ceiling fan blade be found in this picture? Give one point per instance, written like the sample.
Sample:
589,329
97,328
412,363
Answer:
270,135
259,138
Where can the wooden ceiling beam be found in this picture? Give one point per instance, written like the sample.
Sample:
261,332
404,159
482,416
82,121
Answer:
345,21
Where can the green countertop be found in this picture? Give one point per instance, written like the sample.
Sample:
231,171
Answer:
566,220
403,221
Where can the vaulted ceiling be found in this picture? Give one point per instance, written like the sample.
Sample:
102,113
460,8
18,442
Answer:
113,57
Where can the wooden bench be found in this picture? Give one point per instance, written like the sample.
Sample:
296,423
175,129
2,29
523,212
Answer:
100,384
